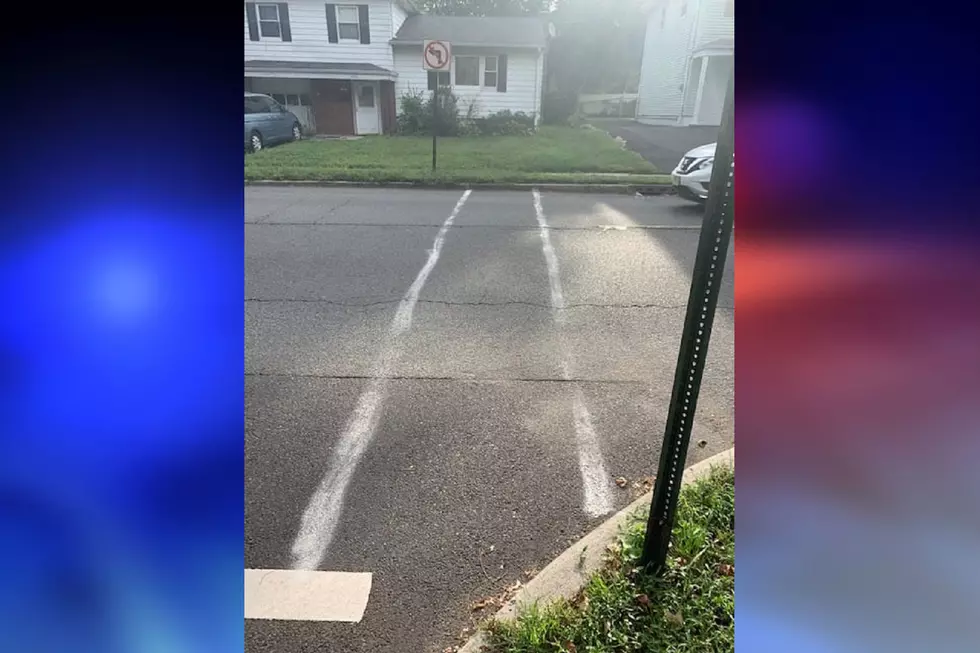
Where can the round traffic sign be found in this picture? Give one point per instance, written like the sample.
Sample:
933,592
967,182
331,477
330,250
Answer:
436,55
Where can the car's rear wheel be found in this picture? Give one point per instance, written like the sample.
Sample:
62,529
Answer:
255,142
297,132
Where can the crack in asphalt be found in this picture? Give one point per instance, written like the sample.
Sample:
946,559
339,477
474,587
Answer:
448,303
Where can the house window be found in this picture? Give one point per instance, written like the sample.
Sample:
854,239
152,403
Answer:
467,71
490,72
730,9
269,26
444,79
348,23
365,96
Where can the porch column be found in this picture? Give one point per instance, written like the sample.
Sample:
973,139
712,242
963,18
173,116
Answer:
706,61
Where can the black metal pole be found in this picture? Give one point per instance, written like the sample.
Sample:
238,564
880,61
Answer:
716,231
435,120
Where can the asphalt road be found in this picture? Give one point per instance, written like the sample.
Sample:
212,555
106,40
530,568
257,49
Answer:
477,440
661,145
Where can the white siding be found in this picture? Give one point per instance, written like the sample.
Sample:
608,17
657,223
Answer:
308,24
665,60
524,79
398,17
713,24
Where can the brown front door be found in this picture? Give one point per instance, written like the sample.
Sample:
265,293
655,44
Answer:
333,107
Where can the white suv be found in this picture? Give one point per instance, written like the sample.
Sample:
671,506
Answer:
692,175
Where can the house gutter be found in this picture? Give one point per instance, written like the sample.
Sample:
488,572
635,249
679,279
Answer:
519,46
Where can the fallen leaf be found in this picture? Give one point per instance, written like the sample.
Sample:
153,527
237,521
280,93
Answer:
621,482
702,443
726,570
643,599
530,573
675,618
570,647
479,605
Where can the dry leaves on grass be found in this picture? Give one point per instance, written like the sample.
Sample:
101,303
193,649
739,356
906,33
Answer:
726,570
675,618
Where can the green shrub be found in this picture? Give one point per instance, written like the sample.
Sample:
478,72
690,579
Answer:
416,114
506,123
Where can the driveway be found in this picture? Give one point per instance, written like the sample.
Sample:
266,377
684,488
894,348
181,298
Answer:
417,409
663,146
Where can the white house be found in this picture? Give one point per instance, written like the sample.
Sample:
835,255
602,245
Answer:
342,67
688,57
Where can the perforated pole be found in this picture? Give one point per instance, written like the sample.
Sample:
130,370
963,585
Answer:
716,232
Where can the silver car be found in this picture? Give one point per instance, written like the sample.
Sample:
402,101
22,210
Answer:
267,122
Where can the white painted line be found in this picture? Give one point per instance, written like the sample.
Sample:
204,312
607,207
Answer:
306,595
596,488
322,515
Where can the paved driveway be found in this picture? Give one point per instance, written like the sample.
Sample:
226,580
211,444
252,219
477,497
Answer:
417,409
660,145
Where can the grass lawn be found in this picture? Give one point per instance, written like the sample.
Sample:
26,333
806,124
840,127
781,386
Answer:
691,608
552,155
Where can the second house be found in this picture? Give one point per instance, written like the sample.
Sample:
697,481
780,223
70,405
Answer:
341,68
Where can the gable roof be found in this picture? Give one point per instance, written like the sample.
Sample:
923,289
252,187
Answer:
500,31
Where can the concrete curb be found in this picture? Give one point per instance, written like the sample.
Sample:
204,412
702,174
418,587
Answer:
567,573
626,189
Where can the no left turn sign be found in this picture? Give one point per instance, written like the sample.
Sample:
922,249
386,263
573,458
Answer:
436,55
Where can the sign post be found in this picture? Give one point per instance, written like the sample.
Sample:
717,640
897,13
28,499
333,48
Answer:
437,58
716,232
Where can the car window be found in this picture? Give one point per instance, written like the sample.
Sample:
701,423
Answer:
260,104
257,104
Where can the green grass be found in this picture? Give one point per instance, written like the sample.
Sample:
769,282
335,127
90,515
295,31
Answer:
690,609
552,155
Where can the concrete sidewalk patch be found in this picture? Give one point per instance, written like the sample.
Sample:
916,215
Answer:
568,573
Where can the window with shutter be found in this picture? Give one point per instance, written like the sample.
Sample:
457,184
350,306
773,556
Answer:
348,23
268,21
490,72
269,25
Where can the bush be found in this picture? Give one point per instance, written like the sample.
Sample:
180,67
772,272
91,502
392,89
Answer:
416,113
506,123
557,108
416,118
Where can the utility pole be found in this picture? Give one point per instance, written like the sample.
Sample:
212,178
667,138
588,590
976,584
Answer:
716,232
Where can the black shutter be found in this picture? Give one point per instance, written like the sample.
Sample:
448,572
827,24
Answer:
432,80
287,35
253,22
362,16
332,23
502,73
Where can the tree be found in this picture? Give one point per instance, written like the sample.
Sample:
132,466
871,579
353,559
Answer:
486,7
599,45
